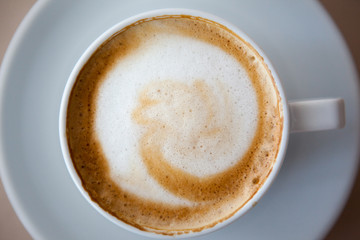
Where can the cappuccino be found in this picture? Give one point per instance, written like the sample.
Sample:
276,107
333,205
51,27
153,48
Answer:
173,124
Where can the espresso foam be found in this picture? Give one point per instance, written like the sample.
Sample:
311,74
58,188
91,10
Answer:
189,89
174,124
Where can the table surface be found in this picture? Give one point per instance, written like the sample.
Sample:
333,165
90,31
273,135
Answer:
346,15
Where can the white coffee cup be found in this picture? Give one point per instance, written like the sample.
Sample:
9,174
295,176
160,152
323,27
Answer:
298,116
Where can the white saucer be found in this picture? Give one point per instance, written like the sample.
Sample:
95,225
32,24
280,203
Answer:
312,61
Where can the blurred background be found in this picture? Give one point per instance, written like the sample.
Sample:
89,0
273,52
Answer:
346,15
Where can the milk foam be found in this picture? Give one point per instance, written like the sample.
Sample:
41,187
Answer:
165,65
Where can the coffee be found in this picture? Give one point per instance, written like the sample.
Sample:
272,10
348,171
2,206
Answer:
173,124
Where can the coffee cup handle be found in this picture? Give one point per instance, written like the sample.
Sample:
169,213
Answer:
316,115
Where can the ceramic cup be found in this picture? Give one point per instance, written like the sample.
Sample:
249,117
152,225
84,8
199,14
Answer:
298,116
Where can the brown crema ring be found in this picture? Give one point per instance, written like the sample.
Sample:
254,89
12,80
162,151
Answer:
219,196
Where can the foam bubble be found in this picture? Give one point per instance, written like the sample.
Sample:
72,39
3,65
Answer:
203,115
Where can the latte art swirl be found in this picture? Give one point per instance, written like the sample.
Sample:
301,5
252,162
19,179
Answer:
191,136
174,124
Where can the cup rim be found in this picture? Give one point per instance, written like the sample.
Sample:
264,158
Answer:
85,57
